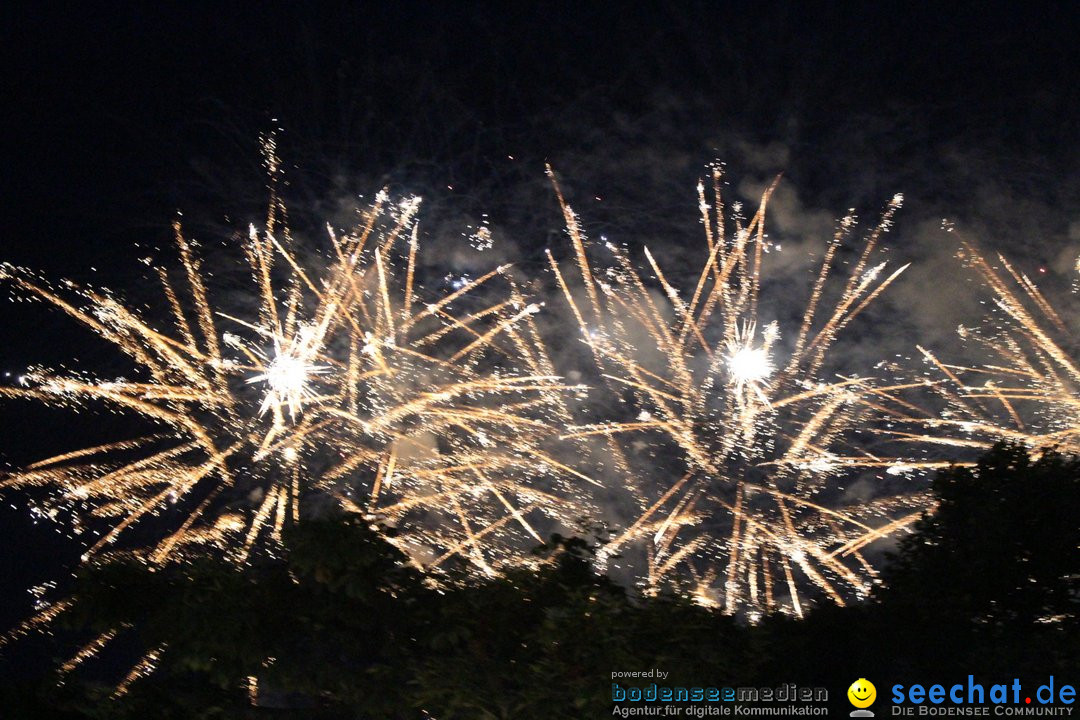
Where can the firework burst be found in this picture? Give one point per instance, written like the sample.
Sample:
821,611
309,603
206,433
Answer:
756,516
1028,392
340,382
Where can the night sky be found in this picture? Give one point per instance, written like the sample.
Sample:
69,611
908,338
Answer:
117,117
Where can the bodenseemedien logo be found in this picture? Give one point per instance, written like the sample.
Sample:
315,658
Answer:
862,694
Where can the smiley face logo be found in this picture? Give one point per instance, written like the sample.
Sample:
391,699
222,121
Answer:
862,693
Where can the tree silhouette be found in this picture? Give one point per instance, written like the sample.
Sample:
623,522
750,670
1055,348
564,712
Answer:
1003,547
340,624
992,577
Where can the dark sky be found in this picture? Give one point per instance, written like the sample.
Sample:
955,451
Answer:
117,115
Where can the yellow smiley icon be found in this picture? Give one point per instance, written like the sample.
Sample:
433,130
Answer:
862,693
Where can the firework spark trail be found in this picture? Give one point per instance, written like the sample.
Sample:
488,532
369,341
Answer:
38,621
1029,392
759,505
344,380
145,666
87,651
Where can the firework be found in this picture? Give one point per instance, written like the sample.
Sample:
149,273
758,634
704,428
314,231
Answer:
755,516
1029,392
338,381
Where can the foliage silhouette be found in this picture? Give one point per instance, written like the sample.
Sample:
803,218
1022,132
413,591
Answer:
341,624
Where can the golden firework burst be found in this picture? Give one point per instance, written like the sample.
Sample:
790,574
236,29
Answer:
755,515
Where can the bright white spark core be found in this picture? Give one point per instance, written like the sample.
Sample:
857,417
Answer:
287,376
750,365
